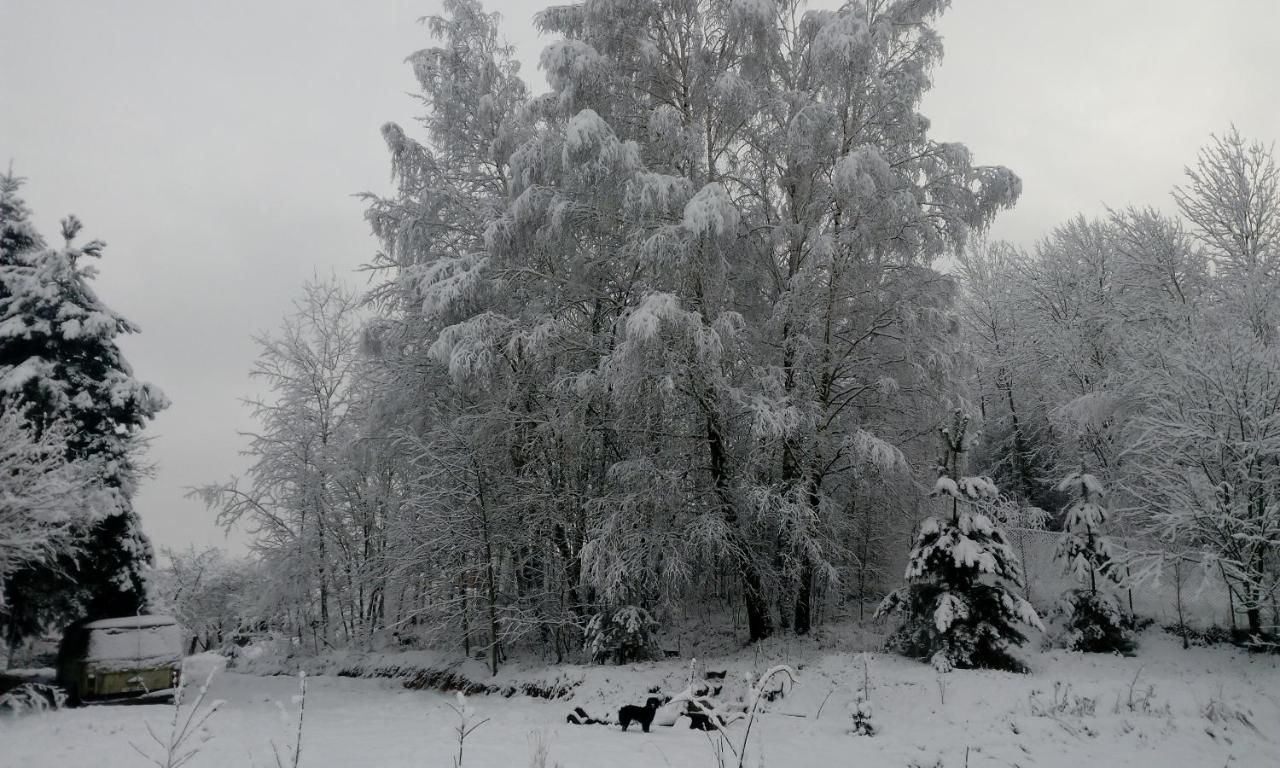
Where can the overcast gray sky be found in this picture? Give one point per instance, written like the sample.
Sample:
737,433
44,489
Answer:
216,145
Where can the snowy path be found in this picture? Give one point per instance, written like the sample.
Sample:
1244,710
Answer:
358,723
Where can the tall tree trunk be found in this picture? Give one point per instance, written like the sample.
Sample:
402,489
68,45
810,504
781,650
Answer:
1254,615
804,595
804,601
759,623
491,587
466,620
1021,466
1177,581
494,649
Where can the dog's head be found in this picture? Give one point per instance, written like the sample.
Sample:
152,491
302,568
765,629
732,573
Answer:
652,703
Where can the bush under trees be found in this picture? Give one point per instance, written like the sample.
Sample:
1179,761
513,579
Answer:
958,607
1094,620
622,635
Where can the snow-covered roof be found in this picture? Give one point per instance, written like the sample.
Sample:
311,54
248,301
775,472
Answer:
132,622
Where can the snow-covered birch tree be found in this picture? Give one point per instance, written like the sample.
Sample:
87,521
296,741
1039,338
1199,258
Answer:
1204,459
669,331
1232,199
291,503
793,201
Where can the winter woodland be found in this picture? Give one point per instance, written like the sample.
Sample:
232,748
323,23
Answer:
708,335
679,334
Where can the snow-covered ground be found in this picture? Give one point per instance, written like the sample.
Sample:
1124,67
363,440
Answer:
1201,707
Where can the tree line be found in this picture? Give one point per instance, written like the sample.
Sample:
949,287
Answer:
679,335
680,332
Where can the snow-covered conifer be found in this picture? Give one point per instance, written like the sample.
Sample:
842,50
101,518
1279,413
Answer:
862,716
302,466
44,496
60,365
1093,616
958,606
621,635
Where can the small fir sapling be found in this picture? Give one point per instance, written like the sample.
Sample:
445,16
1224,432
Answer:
860,710
958,605
622,635
863,722
1092,613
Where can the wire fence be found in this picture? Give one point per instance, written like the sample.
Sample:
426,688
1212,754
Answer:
1155,592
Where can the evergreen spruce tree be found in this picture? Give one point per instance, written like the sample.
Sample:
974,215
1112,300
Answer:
17,234
60,366
959,609
1094,619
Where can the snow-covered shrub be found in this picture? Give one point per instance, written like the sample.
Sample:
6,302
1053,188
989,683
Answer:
1207,637
1094,622
860,711
1139,700
1062,702
1090,613
622,635
1219,710
863,720
718,718
31,698
958,607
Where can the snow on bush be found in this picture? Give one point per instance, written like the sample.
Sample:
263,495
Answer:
42,493
1091,614
958,606
622,635
32,698
863,721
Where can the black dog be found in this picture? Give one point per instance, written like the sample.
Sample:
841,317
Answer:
642,715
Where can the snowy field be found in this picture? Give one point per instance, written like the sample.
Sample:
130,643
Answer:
1201,707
